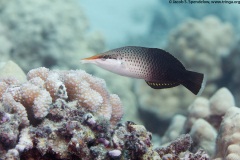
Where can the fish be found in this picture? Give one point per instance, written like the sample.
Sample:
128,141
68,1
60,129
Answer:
157,67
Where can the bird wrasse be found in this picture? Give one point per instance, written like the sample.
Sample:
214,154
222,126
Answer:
157,67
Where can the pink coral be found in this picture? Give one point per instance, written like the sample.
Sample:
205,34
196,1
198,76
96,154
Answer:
41,72
55,86
90,92
80,104
16,107
25,141
37,98
45,86
79,89
117,108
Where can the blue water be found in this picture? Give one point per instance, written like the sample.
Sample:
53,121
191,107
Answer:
148,22
119,19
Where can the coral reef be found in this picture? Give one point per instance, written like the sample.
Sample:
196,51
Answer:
44,87
211,110
176,147
46,33
55,34
71,115
199,51
212,124
181,145
228,141
174,129
123,90
64,114
231,71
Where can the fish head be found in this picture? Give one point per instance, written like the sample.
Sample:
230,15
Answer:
110,62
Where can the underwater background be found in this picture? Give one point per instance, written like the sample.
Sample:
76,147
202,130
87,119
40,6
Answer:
202,34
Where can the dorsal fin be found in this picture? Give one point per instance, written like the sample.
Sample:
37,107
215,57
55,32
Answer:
161,85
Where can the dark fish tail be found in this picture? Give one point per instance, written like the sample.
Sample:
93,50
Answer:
195,82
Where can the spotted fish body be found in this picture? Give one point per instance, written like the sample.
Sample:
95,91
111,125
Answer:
157,67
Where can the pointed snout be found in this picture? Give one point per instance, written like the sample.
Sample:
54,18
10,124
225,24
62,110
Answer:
90,59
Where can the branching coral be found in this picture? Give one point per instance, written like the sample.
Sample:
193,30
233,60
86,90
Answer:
117,108
35,100
89,92
25,142
66,97
123,90
81,88
15,107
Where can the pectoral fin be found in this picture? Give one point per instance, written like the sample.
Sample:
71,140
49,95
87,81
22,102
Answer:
161,85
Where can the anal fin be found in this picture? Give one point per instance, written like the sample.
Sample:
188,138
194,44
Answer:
161,85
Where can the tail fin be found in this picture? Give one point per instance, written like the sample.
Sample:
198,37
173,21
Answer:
195,82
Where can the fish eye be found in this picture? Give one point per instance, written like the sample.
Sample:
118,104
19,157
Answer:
103,58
